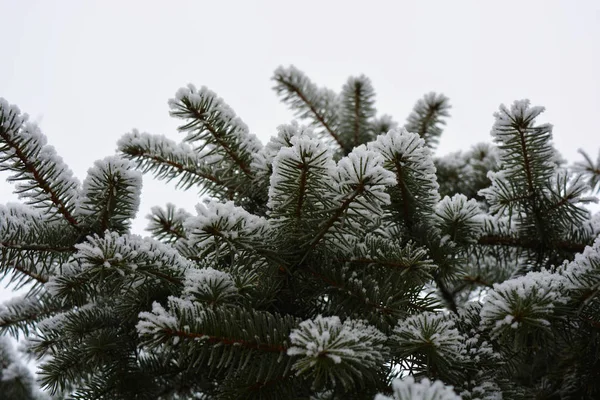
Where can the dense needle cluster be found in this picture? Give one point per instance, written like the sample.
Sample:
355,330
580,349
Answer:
340,260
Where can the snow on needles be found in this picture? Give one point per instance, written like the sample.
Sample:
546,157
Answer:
113,173
524,301
168,148
17,219
309,160
407,150
204,105
408,389
263,160
351,342
364,167
126,255
18,133
583,273
459,216
151,323
431,329
531,301
208,284
217,222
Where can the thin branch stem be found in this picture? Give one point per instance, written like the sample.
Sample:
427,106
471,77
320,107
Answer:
227,341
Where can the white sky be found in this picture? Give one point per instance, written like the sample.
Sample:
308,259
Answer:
90,71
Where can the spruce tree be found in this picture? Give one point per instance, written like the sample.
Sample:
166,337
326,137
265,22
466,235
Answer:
340,260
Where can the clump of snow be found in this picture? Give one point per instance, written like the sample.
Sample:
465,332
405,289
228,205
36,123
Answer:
528,300
584,271
408,389
263,160
127,253
217,222
431,329
208,284
365,167
151,323
458,211
328,337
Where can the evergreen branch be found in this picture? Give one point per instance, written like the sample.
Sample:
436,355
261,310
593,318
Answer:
363,181
111,195
168,224
227,341
357,112
345,289
171,168
30,274
300,180
336,216
20,314
244,166
31,245
223,228
114,262
214,123
28,266
228,338
527,152
562,195
300,93
589,169
37,247
409,159
426,117
169,160
23,150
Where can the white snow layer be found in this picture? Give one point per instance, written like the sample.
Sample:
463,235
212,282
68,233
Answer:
408,389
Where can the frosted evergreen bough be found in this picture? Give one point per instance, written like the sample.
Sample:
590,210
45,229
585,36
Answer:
342,259
408,389
332,351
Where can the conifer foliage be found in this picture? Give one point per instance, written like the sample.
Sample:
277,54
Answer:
340,260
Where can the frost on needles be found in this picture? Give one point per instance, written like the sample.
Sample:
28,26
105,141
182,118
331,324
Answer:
340,260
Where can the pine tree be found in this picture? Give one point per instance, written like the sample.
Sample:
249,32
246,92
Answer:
341,260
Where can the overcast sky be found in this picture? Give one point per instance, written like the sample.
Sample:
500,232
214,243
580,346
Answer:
90,71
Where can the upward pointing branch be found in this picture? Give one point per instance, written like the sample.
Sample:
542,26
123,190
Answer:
47,181
307,100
